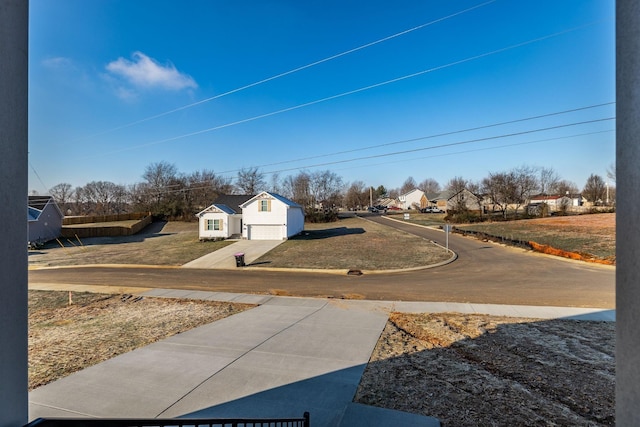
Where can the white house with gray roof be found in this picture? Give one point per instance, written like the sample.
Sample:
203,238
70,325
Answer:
223,219
266,216
270,216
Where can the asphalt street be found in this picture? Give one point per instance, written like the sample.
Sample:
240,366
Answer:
485,273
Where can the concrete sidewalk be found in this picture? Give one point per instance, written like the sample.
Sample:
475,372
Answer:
224,258
287,356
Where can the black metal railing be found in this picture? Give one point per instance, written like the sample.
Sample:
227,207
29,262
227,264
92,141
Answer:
173,422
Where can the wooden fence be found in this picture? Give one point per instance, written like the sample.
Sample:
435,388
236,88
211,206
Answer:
71,220
107,230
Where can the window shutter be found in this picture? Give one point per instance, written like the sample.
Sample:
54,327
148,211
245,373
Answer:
268,205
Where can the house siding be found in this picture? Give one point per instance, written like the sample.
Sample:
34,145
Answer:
414,198
230,225
48,225
295,221
289,218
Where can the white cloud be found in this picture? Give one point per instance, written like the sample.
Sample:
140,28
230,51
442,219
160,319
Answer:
57,62
145,72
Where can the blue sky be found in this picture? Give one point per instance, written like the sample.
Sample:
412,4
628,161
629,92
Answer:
117,85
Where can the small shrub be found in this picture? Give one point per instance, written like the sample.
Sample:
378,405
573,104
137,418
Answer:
321,216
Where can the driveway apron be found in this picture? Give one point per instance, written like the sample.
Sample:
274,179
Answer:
225,258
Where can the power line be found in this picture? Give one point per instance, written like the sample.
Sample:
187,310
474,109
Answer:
38,176
395,153
487,148
448,144
295,70
420,138
351,92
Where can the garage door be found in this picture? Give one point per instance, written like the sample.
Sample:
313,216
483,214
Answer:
265,232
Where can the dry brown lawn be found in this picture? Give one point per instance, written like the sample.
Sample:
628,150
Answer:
592,235
172,243
354,243
65,338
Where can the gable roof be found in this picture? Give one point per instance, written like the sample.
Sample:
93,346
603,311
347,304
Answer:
218,207
554,196
283,199
412,191
37,204
232,201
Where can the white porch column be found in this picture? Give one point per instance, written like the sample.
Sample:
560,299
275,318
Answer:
628,213
13,212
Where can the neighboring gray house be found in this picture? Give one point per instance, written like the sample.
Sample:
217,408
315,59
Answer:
44,219
448,201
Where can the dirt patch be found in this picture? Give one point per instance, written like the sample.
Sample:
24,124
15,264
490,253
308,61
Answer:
590,237
65,338
470,370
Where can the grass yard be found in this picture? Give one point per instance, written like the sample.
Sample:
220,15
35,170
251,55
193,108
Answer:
65,338
172,243
353,243
594,235
426,219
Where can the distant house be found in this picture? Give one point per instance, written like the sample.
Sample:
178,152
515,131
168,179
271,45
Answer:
449,201
266,216
44,219
554,202
414,199
387,203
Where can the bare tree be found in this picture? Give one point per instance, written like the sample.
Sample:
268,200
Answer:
202,187
547,181
357,195
250,181
325,187
611,172
408,185
296,188
79,201
526,183
455,187
162,188
62,193
500,187
594,189
275,184
565,187
101,197
429,186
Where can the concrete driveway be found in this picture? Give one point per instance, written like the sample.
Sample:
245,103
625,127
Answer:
224,258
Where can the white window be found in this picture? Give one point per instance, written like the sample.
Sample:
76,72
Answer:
264,206
213,224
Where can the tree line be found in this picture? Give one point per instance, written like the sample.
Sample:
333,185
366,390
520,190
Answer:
168,193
